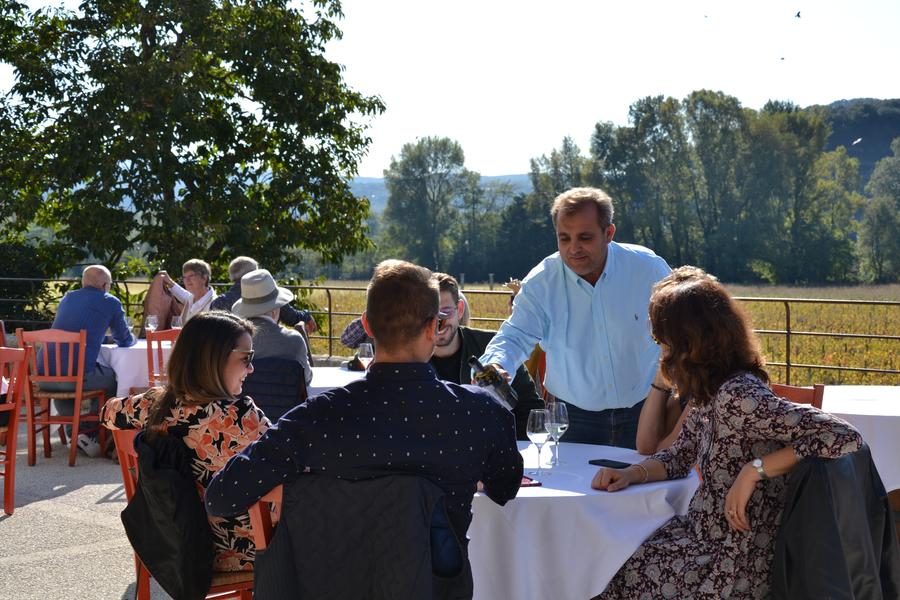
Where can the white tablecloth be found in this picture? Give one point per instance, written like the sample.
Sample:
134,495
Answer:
130,364
875,411
565,540
326,378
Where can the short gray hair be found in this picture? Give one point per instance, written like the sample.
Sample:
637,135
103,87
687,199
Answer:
240,267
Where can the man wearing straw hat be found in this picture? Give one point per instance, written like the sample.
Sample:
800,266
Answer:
261,301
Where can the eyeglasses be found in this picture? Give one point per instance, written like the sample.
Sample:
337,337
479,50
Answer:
247,359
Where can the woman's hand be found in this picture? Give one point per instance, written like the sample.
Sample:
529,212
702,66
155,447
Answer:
611,480
738,496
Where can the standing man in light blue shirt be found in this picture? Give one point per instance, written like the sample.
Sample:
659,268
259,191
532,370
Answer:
587,307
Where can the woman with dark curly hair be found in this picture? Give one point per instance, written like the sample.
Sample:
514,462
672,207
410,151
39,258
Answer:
202,404
744,439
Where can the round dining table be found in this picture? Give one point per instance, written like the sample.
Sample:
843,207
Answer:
564,539
875,411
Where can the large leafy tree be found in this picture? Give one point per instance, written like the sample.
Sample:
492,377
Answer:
183,127
425,184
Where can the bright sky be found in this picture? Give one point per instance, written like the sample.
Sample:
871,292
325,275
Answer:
508,79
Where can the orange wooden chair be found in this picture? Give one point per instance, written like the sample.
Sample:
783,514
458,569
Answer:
54,351
894,500
238,584
263,516
157,374
801,395
12,369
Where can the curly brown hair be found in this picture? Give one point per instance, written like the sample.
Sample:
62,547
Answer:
706,335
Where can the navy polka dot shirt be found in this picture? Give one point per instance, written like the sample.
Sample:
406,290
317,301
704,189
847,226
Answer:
399,419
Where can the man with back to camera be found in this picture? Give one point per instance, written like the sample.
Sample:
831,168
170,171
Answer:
94,309
587,307
399,419
456,343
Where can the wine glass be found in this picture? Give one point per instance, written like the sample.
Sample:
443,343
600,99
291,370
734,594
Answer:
559,424
152,323
365,354
537,431
176,322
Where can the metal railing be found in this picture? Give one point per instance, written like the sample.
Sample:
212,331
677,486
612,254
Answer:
335,306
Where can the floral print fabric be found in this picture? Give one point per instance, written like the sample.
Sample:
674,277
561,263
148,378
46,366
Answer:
699,555
213,433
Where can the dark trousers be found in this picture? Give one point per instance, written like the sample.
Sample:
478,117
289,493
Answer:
611,427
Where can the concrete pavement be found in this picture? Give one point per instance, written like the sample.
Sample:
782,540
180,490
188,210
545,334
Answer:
65,539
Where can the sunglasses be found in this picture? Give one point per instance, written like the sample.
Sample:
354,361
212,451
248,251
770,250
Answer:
442,317
247,359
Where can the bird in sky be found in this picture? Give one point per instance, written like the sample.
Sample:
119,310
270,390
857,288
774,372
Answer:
798,14
856,141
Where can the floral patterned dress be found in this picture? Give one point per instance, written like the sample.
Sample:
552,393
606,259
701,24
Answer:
212,433
699,555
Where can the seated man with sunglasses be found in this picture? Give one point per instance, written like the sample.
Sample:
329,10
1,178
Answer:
456,343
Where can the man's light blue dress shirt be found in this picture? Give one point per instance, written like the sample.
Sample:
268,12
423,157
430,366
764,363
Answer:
600,353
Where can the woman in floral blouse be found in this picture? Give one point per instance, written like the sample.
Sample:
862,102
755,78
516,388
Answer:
742,436
202,405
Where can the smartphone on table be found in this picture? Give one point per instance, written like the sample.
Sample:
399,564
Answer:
529,482
612,464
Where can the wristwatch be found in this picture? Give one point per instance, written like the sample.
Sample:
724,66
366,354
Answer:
757,464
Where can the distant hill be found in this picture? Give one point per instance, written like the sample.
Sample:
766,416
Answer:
375,190
871,121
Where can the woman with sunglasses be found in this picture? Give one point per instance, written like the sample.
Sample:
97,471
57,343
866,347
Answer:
202,404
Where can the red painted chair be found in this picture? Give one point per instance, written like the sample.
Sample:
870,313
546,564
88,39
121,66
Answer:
801,395
57,350
238,584
263,516
12,369
157,374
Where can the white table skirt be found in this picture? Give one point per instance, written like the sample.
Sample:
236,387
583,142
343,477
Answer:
130,364
326,378
875,411
565,540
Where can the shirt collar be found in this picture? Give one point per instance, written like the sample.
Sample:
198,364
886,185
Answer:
608,269
400,371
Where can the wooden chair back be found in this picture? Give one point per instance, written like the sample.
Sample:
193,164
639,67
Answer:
801,394
263,516
56,356
157,373
12,369
894,500
238,584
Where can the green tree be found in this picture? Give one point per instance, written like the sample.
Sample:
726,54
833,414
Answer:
716,125
879,245
424,186
187,127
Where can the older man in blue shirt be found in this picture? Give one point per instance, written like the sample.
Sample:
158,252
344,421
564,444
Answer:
94,309
587,307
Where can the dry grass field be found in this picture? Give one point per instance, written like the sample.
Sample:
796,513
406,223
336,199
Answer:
344,301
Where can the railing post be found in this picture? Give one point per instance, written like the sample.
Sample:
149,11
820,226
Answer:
330,323
787,342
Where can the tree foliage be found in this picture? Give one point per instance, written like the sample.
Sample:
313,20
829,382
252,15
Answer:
203,128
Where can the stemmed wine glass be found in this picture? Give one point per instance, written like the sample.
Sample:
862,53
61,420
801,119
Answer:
538,419
559,424
365,354
176,322
152,323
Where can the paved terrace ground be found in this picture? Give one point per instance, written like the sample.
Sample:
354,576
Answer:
65,539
